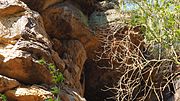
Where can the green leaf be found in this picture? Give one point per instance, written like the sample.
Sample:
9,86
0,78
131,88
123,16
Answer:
42,61
3,97
52,66
49,99
55,90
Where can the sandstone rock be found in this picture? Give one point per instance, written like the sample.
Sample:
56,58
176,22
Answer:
58,61
39,5
23,41
7,83
33,93
8,7
69,95
57,45
74,50
87,6
65,97
106,14
64,18
64,21
74,56
105,18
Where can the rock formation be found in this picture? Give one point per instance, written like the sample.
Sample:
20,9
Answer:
24,41
63,33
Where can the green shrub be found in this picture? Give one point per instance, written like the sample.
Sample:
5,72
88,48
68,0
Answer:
161,20
42,61
3,97
57,78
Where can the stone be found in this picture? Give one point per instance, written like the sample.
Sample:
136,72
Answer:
65,21
105,18
9,7
74,57
69,95
40,5
57,45
87,6
33,93
58,61
65,97
65,14
7,83
23,41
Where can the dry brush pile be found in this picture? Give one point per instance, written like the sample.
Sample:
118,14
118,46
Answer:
141,74
144,52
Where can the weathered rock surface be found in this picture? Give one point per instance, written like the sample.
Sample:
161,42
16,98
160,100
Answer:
64,18
62,36
65,21
70,95
7,83
8,7
33,93
74,56
104,18
39,5
87,6
23,41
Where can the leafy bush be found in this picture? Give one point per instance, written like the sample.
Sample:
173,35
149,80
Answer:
160,18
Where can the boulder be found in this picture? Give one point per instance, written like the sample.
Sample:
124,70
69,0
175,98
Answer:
64,21
23,42
65,18
101,19
39,5
8,7
87,6
74,56
7,83
32,93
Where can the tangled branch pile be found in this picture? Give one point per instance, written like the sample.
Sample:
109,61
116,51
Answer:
146,56
141,74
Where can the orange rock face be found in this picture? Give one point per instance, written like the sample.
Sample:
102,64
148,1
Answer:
23,42
65,34
32,93
7,83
